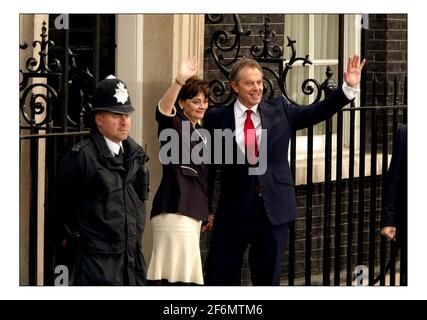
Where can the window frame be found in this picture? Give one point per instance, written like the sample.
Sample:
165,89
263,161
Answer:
352,45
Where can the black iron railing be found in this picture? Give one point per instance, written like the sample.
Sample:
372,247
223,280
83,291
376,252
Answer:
55,100
225,49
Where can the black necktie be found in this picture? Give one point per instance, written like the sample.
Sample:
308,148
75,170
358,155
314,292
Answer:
120,155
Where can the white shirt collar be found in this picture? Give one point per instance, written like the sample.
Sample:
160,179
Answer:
241,109
113,146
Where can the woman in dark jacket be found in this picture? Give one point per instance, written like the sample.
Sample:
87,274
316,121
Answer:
180,204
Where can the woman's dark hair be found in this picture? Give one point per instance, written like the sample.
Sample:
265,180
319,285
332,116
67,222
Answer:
192,87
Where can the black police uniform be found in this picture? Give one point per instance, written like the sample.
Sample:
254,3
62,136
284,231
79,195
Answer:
100,202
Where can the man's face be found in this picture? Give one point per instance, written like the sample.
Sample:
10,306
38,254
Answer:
249,88
114,126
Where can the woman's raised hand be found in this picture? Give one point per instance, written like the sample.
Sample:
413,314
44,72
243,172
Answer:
188,69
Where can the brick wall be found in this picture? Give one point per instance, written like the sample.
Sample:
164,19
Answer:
386,53
249,22
386,50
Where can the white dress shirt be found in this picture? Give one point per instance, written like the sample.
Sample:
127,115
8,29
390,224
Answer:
240,117
349,92
114,146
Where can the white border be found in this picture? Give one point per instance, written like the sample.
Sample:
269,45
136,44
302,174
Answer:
9,163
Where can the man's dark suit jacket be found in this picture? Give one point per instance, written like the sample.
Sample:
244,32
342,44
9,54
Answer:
237,206
395,205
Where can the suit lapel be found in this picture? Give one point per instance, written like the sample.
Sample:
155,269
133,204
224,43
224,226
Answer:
267,119
229,120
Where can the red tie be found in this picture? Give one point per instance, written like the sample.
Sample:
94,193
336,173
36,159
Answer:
251,145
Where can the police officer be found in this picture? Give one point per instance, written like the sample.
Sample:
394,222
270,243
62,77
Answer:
100,192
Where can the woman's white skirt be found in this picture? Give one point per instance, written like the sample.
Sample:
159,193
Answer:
176,250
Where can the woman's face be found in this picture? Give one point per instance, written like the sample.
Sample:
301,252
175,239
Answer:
195,107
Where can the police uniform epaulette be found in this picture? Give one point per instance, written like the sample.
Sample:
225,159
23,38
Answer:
79,146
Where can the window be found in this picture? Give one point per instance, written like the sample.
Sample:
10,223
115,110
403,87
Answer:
317,36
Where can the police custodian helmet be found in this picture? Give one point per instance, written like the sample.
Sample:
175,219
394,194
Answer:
112,95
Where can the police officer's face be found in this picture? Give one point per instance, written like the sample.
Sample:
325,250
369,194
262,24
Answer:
249,88
114,126
195,108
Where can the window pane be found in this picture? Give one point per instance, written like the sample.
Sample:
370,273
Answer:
296,27
325,36
320,73
294,81
320,76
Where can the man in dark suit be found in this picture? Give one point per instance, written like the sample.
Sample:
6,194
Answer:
254,209
395,202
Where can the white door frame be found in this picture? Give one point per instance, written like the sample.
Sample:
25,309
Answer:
129,64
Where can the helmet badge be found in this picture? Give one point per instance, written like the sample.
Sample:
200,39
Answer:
121,93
